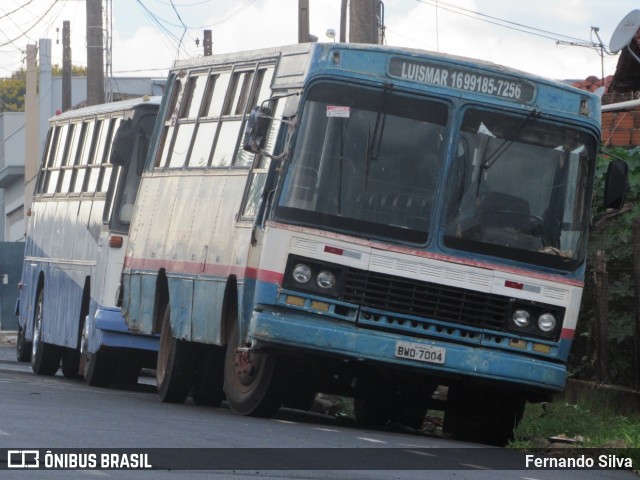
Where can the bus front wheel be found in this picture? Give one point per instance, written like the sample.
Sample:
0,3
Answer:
482,417
98,368
253,382
174,371
45,357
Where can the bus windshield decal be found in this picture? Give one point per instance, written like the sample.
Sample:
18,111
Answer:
461,78
338,112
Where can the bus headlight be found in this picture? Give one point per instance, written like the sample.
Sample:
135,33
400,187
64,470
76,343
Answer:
534,319
326,279
316,277
546,322
521,318
302,273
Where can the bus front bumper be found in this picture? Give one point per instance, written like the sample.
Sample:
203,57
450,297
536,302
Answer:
346,340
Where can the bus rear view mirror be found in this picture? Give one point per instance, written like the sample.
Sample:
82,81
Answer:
615,185
123,144
257,129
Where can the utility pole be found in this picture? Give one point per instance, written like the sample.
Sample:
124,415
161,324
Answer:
303,21
95,55
207,43
66,65
32,127
363,22
343,21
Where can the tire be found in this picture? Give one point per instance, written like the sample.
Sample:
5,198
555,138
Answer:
45,358
128,369
208,388
71,363
481,417
72,366
174,370
23,348
99,369
253,383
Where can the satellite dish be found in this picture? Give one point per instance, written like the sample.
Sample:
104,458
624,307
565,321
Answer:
624,32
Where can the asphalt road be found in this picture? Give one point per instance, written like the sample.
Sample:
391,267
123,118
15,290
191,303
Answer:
69,419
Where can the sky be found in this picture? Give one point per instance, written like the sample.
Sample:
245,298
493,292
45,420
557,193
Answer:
550,38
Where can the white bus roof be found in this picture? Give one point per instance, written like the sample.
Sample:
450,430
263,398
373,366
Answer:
107,107
296,56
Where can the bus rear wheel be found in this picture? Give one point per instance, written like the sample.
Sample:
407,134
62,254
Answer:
253,383
45,357
71,363
23,348
208,386
174,371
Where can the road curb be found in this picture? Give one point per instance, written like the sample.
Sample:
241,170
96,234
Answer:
8,337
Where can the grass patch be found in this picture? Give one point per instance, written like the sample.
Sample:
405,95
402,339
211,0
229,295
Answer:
592,425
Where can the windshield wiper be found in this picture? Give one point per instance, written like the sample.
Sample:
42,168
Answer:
378,131
507,142
488,162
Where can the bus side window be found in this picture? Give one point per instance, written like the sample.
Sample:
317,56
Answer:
166,139
52,138
231,120
55,159
70,157
84,151
107,168
261,90
257,179
78,144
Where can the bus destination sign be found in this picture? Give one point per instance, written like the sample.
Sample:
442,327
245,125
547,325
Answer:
461,78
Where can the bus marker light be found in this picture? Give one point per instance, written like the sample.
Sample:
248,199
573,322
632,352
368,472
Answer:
322,306
334,250
115,241
539,347
297,301
342,252
512,284
518,344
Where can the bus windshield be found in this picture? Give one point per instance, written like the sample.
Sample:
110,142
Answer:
365,161
520,189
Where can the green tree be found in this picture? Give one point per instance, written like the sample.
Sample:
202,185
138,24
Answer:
12,92
14,88
611,232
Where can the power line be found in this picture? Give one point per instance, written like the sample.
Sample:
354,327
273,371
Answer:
184,32
16,9
154,19
502,22
25,32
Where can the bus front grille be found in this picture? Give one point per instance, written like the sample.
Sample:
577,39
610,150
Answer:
424,299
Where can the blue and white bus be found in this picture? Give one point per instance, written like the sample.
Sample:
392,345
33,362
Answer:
394,221
76,242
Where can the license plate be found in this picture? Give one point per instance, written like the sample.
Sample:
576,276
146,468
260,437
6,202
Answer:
420,352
